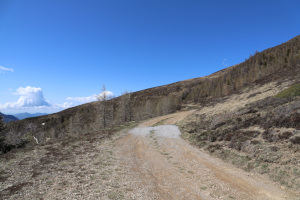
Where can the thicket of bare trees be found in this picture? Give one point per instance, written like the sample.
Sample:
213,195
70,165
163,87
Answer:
125,112
102,97
10,138
166,105
258,66
75,125
1,124
13,137
2,137
155,106
106,108
149,110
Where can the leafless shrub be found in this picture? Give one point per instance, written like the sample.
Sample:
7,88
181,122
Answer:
148,110
13,137
295,139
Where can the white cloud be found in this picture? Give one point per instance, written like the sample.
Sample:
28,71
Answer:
29,97
109,95
224,62
63,106
83,99
4,69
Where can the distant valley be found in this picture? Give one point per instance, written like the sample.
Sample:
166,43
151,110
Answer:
20,116
8,118
25,115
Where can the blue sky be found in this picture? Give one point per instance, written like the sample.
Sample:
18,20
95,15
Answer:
58,53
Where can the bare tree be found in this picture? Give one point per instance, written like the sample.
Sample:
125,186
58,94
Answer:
103,97
125,108
166,105
13,137
148,110
33,129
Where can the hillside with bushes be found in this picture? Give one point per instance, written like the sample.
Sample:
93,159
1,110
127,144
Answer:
279,64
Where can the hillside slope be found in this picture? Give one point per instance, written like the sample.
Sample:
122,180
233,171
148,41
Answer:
279,65
257,130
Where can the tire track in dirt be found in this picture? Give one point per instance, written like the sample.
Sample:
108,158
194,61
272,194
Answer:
159,176
167,119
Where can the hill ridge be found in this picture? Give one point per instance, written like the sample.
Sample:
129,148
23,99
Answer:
280,63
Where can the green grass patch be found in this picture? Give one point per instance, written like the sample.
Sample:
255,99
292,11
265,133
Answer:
115,195
203,187
290,92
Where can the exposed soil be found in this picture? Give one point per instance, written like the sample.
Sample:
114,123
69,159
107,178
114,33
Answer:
129,166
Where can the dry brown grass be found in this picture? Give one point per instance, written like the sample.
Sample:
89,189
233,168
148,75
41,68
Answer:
235,102
252,130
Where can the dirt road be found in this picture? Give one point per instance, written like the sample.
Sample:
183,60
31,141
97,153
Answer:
143,163
163,166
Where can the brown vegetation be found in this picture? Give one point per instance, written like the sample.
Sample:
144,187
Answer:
263,136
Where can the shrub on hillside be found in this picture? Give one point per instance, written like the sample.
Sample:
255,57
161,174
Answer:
290,92
1,135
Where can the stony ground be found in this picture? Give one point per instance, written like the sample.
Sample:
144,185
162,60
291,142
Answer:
144,163
82,167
